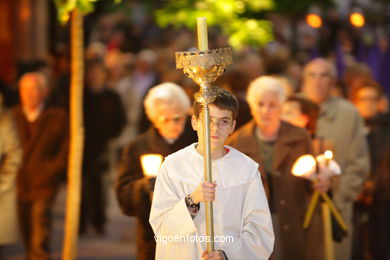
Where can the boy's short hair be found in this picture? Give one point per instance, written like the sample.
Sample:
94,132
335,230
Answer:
224,100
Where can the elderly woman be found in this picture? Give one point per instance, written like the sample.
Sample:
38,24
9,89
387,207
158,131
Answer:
167,107
276,145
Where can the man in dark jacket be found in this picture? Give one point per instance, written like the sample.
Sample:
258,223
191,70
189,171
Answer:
372,207
166,106
104,118
43,134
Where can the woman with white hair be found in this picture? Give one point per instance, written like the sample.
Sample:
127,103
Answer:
276,145
167,107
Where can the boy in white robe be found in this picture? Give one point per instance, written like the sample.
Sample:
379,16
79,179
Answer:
242,221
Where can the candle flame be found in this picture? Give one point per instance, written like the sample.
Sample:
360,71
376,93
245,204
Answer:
151,164
328,155
304,165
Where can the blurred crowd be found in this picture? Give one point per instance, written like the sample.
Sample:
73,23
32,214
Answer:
292,102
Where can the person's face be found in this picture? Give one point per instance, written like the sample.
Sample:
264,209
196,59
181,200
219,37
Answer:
142,66
366,102
266,110
291,112
170,121
32,92
318,82
96,77
221,126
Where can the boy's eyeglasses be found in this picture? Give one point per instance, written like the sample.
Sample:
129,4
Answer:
222,124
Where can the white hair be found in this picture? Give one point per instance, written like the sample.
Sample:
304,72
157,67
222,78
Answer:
265,84
148,55
165,93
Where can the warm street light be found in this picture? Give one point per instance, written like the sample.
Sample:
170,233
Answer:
313,18
356,18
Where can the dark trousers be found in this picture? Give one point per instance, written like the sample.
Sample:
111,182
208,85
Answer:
93,203
379,224
35,226
372,231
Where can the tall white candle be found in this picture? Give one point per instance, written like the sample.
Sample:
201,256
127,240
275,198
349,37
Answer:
202,34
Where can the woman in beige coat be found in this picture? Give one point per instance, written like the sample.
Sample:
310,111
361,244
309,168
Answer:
10,159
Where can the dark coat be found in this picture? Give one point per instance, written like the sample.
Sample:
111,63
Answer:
378,208
104,119
45,153
290,194
132,187
379,146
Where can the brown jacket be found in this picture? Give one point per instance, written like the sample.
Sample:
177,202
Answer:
290,194
45,152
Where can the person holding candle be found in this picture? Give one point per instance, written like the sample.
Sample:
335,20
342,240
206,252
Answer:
276,145
240,206
340,122
167,106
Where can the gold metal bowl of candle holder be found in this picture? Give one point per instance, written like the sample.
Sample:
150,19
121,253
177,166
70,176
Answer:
204,67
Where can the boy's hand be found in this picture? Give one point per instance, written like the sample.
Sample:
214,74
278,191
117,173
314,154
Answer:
204,192
215,255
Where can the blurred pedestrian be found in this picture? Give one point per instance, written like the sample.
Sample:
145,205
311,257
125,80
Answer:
43,133
340,122
104,118
372,208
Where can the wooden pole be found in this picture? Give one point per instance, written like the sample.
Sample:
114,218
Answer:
76,138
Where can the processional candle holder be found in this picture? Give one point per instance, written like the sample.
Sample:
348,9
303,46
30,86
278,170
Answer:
204,67
309,168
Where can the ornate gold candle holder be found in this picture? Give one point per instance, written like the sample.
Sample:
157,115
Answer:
204,67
